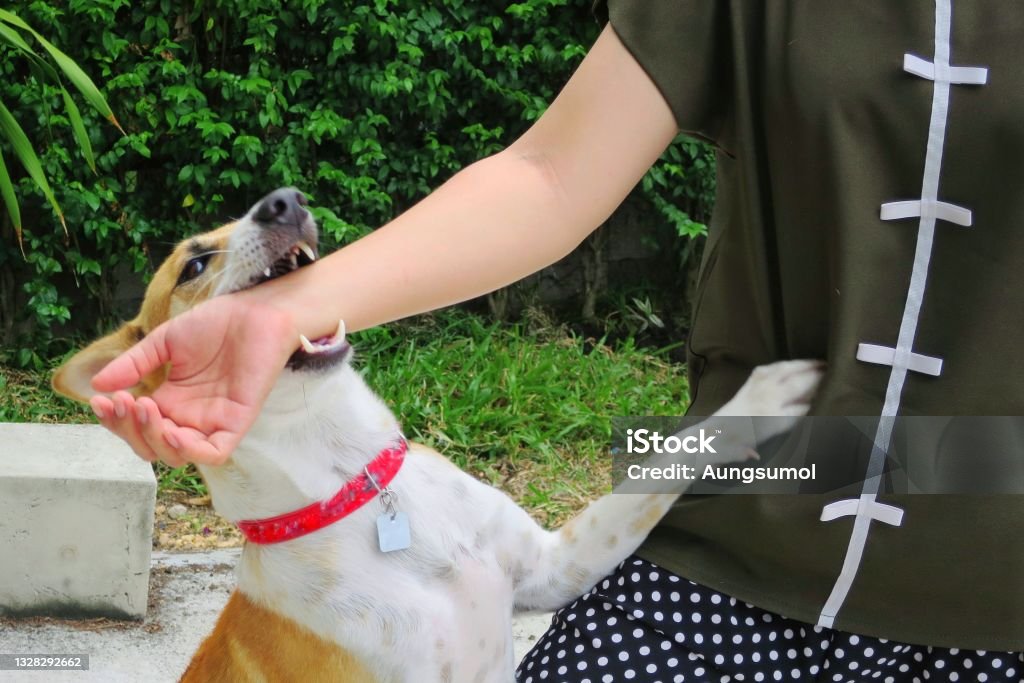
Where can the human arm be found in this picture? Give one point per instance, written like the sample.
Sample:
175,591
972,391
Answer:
503,217
493,223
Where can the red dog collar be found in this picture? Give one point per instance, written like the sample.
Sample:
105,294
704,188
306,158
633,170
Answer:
352,496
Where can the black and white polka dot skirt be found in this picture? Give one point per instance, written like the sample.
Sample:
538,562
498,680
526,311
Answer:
645,624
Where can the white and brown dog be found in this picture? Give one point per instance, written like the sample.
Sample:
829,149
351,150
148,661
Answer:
324,601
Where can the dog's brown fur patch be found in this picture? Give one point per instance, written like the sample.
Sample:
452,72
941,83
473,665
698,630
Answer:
164,299
251,643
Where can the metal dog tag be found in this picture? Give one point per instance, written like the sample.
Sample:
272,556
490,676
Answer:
393,531
392,526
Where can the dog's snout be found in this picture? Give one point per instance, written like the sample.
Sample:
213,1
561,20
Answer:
283,206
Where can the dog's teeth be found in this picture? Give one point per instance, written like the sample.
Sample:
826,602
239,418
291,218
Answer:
340,335
307,250
306,344
267,272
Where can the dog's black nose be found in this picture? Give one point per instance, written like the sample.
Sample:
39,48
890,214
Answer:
284,206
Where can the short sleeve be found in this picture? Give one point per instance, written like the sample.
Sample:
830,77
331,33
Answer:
685,47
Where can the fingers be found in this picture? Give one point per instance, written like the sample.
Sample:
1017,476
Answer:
117,414
206,450
176,445
155,437
140,424
156,430
130,367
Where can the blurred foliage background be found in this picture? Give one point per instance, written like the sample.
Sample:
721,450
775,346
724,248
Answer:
365,105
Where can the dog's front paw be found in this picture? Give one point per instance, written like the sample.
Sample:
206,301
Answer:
783,389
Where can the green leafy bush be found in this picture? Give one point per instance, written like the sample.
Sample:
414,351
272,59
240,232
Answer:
365,105
13,32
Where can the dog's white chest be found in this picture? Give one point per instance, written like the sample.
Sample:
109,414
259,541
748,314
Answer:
481,600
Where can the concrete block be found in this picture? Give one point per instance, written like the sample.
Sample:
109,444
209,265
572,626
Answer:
76,522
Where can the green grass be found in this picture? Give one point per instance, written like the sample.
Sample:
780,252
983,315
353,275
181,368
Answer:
526,407
26,396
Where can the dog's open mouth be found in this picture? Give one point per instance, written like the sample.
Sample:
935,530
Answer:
321,353
317,353
298,256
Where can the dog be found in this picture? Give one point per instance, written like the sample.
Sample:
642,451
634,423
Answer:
417,584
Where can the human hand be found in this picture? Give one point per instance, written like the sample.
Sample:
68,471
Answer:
224,355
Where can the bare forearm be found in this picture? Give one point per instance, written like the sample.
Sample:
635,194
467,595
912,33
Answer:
492,224
501,218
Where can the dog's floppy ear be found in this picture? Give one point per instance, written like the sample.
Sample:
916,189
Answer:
74,378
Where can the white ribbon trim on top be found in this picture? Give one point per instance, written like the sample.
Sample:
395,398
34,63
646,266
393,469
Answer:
886,355
866,510
958,75
927,209
865,505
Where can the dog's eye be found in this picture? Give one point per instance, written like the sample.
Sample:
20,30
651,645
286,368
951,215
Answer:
194,268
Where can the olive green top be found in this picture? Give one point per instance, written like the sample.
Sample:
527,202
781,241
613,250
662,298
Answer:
817,124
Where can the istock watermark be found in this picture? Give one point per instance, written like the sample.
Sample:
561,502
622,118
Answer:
818,455
643,441
698,441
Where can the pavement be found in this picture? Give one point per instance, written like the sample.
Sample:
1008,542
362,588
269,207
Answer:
187,592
